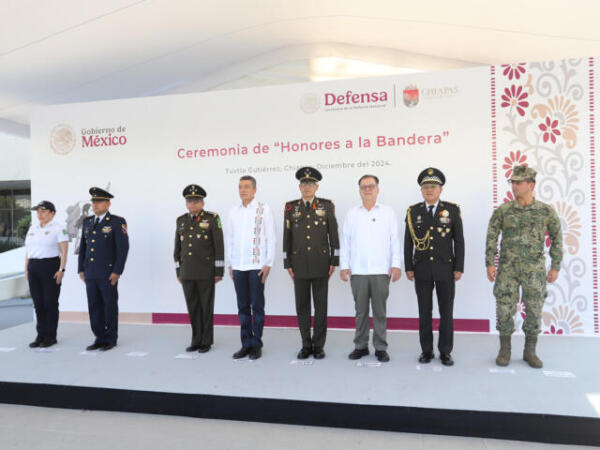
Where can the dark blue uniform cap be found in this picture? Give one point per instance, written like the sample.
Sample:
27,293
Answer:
431,175
100,194
45,204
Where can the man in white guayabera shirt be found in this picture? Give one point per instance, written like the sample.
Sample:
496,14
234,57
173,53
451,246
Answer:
250,251
370,256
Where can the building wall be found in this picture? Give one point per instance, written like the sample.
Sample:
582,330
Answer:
14,154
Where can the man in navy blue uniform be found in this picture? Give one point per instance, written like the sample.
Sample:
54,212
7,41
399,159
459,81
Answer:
102,255
434,255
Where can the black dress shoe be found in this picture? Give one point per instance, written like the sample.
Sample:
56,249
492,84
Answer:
255,353
446,359
107,347
358,353
426,357
94,346
203,348
35,343
318,353
382,355
242,352
192,348
304,353
48,343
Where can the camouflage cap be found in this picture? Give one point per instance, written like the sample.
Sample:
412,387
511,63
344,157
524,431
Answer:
522,173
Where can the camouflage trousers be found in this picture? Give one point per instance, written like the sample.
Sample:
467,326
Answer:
531,279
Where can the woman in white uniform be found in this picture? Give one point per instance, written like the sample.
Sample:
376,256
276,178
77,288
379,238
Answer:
45,260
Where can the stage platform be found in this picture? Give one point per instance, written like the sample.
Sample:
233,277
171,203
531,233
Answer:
149,371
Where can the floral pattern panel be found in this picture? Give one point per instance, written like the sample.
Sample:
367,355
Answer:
544,119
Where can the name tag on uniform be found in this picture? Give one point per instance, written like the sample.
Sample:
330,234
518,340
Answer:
204,225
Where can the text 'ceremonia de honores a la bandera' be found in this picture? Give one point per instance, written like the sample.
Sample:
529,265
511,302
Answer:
379,142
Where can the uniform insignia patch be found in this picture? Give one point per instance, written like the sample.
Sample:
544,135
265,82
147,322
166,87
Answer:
124,228
106,229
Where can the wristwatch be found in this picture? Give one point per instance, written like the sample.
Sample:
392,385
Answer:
61,270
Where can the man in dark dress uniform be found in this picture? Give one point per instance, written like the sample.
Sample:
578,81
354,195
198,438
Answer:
102,255
310,253
199,264
434,253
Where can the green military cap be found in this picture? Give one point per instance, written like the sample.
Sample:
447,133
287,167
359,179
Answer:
308,175
522,173
194,191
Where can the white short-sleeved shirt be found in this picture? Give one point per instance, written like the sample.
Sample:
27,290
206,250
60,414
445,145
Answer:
370,241
42,242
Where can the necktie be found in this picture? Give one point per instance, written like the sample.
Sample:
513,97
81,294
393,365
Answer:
308,205
430,210
97,221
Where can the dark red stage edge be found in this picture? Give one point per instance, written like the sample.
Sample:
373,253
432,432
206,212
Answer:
393,323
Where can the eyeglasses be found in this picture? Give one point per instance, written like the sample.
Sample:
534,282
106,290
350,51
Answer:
367,187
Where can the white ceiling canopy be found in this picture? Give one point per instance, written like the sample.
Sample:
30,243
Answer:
82,50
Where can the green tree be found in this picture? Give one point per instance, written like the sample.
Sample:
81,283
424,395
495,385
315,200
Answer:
23,226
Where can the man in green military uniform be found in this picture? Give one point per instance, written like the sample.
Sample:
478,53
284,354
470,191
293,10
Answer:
199,264
310,253
523,223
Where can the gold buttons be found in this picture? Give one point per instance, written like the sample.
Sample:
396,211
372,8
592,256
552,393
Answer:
91,259
308,226
307,237
93,240
91,249
93,232
308,216
307,248
190,253
190,244
431,247
191,228
431,228
431,258
190,236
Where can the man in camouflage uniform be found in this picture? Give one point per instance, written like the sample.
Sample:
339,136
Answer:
311,249
199,264
523,223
